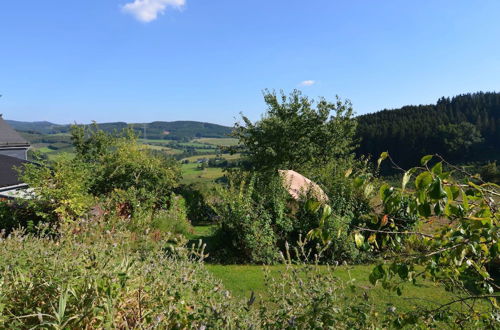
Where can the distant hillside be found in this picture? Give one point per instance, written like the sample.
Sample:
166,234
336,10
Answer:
176,130
463,128
43,127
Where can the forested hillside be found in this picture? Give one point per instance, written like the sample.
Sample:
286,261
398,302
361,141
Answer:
175,130
463,128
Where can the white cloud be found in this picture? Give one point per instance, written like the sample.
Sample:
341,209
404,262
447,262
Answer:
307,83
148,10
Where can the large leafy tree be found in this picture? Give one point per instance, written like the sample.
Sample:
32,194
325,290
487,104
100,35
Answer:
297,133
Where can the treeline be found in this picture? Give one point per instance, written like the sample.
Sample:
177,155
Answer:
464,128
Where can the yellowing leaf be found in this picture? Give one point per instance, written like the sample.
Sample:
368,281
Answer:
359,239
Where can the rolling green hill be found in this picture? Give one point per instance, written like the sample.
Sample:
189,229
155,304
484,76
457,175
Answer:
176,130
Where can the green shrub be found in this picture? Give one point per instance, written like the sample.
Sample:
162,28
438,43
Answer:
198,197
244,227
174,219
98,278
111,168
256,212
60,192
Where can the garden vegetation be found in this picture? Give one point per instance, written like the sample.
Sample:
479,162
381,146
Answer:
102,242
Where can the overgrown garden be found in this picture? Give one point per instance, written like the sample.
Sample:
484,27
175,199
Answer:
103,240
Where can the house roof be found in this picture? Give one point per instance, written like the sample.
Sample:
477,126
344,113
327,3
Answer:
9,137
8,175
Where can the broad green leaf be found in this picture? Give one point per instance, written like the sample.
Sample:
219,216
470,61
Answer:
403,271
438,208
368,190
425,160
327,211
383,156
436,190
438,168
424,210
312,206
377,273
385,191
423,180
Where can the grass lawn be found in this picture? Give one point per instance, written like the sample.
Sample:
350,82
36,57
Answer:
241,280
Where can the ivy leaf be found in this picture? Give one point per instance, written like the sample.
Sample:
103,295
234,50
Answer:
425,160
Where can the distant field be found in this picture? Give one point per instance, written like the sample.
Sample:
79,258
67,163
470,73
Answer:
193,144
224,142
170,151
225,156
161,141
191,174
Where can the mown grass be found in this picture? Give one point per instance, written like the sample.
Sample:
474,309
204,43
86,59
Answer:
241,280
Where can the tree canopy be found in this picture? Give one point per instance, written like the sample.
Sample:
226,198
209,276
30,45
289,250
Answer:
297,132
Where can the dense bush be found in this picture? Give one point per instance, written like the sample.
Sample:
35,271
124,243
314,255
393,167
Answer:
110,171
198,198
100,278
118,161
257,218
101,275
245,227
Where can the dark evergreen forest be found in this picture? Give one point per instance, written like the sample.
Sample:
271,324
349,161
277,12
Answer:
465,128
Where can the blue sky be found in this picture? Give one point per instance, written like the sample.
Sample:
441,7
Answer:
145,60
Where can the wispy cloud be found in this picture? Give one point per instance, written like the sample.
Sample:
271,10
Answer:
307,83
148,10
